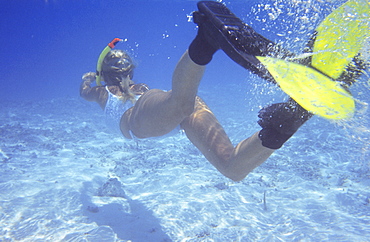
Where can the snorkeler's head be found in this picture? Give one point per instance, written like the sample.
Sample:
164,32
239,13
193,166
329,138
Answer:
117,65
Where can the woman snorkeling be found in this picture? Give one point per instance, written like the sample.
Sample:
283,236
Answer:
140,112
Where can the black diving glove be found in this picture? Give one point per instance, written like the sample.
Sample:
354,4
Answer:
279,122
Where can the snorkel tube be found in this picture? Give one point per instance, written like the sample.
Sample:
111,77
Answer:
102,56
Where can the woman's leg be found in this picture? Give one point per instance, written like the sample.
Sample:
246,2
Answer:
158,112
206,133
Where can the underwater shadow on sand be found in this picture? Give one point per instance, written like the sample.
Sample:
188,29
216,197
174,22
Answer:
126,218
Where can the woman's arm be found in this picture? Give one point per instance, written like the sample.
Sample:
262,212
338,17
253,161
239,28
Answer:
93,94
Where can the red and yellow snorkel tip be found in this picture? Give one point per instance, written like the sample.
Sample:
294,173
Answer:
102,55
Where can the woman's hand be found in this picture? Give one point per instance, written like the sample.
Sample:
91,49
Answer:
89,77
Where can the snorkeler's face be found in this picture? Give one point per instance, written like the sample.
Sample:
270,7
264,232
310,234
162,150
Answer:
117,66
124,64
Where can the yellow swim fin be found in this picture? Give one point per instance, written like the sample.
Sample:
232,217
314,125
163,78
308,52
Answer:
341,36
314,91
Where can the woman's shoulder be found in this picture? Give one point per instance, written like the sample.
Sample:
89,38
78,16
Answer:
139,89
115,90
136,89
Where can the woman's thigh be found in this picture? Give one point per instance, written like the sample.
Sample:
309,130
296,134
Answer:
154,114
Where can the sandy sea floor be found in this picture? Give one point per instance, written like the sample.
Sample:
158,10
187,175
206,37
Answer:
65,177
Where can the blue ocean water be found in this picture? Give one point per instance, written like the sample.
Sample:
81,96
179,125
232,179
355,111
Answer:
66,177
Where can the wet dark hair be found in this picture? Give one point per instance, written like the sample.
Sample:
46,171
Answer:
117,64
118,70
